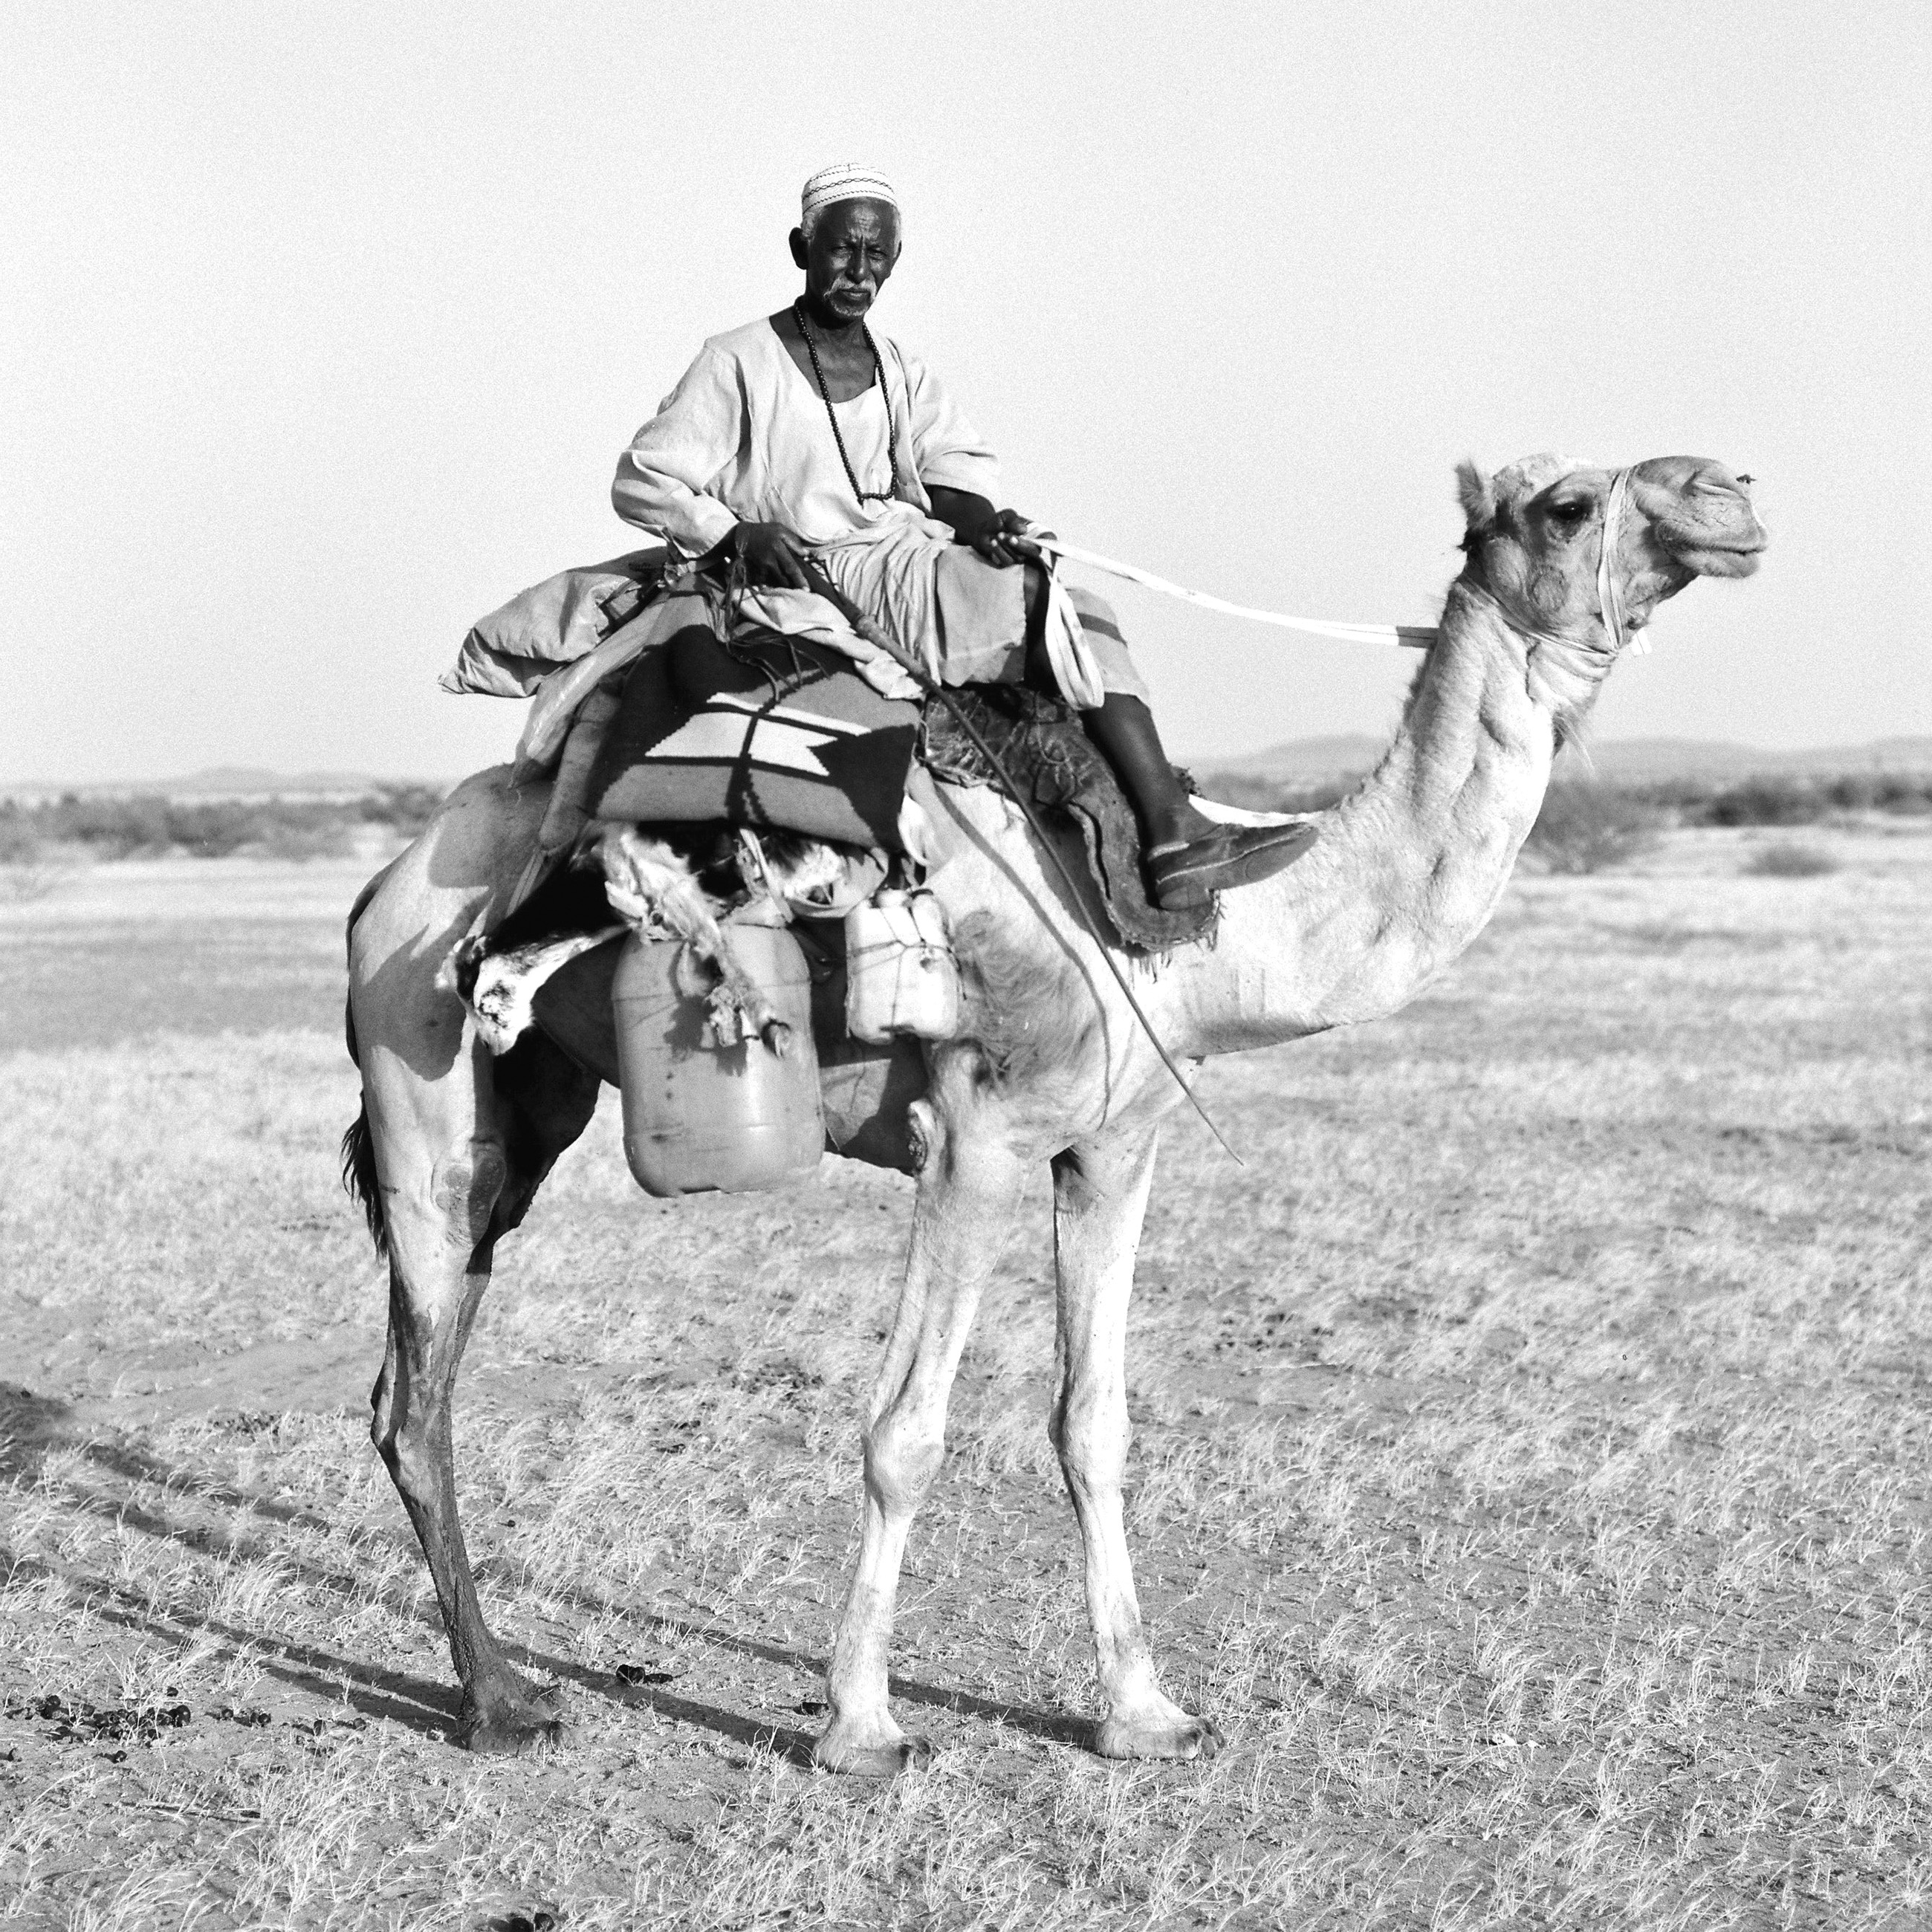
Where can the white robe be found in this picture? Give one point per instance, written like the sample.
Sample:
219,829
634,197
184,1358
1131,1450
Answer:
744,437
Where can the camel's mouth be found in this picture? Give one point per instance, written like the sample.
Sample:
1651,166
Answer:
1705,520
1719,559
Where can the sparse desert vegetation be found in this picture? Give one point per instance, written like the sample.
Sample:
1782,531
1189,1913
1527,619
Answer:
1531,1470
1585,827
1778,799
1789,859
107,825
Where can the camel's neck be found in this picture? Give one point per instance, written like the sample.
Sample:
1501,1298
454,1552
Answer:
1407,870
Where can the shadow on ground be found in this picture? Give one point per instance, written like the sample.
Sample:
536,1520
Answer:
35,1426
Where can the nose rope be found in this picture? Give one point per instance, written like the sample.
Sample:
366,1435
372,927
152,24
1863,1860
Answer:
1418,636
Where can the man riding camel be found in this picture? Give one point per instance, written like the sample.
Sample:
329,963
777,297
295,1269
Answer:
802,443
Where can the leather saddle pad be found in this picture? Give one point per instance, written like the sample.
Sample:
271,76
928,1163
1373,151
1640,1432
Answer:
769,731
1052,763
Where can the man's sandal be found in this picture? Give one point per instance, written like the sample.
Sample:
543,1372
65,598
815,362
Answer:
1189,874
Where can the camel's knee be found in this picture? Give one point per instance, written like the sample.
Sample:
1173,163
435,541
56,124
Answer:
958,1148
1090,1435
903,1453
921,1134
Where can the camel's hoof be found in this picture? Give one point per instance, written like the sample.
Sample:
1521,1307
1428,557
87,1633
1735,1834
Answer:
885,1759
506,1725
1187,1737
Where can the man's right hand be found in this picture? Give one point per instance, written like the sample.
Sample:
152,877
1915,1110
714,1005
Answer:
773,556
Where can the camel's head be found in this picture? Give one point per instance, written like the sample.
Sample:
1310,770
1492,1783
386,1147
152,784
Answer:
1535,543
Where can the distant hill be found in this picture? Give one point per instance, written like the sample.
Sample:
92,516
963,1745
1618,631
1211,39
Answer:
1621,761
1302,760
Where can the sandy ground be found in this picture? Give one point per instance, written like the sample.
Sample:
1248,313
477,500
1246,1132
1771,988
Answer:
1531,1472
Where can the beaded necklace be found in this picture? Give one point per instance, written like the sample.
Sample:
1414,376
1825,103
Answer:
825,397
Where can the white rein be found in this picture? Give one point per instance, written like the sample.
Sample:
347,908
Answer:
1416,637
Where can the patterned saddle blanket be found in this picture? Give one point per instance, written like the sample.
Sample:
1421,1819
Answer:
776,732
772,732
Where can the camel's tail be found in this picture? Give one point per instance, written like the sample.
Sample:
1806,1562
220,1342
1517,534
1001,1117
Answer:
358,1144
358,1177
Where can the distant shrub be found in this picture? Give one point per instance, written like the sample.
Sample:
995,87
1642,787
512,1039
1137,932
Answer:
116,828
405,808
27,870
1769,801
214,831
122,826
1789,800
1587,824
325,839
19,843
1590,828
1911,800
1790,861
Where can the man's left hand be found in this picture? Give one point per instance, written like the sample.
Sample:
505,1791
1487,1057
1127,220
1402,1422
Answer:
1005,538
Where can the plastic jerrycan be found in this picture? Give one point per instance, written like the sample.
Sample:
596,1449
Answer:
901,975
698,1116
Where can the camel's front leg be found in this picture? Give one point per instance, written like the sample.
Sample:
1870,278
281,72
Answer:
1099,1195
970,1185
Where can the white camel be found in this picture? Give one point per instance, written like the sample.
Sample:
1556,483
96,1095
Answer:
453,1143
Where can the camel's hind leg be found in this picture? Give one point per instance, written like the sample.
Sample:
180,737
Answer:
456,1144
437,1274
1100,1196
451,1187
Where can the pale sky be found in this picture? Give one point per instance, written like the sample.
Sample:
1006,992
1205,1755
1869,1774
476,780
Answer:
324,326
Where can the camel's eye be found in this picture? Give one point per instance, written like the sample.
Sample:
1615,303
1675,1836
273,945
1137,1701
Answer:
1568,514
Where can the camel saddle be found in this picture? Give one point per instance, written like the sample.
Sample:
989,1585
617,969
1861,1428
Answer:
777,733
1046,759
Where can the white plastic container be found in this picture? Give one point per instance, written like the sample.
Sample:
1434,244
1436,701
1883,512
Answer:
901,975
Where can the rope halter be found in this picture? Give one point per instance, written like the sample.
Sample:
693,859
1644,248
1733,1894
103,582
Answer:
1617,634
1608,603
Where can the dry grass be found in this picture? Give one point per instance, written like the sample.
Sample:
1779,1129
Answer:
1531,1472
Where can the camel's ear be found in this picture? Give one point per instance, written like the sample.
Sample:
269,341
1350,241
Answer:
1478,492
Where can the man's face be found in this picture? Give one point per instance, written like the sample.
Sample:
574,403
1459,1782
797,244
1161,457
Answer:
851,252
